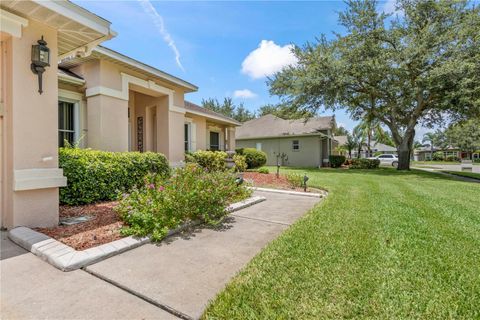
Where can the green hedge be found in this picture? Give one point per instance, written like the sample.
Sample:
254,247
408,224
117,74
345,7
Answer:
100,176
254,157
336,161
211,160
365,163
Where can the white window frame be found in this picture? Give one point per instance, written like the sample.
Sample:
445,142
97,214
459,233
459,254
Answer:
297,144
79,108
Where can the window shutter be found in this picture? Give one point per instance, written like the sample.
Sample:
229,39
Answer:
193,137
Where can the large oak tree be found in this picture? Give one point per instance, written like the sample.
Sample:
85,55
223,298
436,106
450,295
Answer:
419,67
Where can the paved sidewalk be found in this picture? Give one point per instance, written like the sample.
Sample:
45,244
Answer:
180,275
187,271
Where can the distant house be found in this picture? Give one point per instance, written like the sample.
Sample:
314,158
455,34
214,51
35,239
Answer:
375,147
302,143
425,153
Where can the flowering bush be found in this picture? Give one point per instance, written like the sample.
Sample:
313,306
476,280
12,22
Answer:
240,163
295,180
212,160
190,193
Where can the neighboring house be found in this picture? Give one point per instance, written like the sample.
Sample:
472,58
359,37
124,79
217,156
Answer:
306,144
91,94
425,153
375,147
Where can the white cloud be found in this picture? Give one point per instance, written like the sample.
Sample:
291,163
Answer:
245,94
267,59
389,7
160,25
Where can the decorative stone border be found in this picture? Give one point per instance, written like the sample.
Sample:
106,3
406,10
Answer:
321,194
66,258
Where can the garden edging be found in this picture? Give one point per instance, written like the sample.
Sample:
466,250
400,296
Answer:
66,258
322,194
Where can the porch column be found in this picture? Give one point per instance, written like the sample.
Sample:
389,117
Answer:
107,123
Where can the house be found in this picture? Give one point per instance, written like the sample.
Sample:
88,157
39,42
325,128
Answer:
304,143
375,147
91,95
425,153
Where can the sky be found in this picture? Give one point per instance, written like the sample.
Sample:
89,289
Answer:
226,48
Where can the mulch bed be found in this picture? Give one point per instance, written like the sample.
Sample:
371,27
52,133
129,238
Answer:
270,180
103,228
105,225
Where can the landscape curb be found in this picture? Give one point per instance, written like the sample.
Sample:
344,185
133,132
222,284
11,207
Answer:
66,258
322,194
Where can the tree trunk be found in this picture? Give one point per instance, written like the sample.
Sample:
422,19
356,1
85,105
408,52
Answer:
404,150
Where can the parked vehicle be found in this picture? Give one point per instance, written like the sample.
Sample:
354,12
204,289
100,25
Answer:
388,159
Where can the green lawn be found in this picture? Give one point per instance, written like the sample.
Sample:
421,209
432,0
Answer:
383,245
472,175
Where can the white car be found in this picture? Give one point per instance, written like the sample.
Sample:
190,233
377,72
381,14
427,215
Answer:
388,159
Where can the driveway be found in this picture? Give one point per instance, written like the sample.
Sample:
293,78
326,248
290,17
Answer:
447,167
177,277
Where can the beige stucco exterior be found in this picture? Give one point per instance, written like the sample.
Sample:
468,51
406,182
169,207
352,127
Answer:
119,104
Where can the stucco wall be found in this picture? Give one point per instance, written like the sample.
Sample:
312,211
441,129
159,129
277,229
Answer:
308,155
30,128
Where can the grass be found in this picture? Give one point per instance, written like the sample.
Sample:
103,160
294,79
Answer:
383,245
472,175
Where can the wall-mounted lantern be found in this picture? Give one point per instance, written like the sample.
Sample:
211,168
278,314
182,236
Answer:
40,60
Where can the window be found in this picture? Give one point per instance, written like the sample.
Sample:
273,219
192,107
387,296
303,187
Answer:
296,145
259,146
214,141
187,138
66,123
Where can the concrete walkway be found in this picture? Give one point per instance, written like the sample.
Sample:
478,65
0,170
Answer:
175,278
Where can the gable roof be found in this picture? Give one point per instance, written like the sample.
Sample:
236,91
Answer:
101,52
196,109
272,126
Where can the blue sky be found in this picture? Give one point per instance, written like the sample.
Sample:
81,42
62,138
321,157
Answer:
223,47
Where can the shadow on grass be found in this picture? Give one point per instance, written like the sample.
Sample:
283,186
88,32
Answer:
380,172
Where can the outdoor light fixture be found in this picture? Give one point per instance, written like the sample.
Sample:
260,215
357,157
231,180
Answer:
40,60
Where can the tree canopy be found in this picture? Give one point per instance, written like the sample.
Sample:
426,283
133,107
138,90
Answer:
229,109
420,67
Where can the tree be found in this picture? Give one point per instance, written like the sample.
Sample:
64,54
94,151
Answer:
368,128
340,131
350,144
229,109
465,135
421,69
359,140
429,138
284,111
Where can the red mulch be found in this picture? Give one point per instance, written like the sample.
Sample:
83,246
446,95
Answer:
270,180
103,228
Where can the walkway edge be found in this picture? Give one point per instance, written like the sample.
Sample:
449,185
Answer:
322,194
66,258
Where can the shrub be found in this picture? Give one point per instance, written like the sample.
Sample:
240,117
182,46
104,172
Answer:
438,156
451,158
191,193
254,157
210,160
263,170
240,163
100,176
295,180
377,153
336,161
365,163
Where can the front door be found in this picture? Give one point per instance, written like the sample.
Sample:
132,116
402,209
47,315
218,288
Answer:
214,141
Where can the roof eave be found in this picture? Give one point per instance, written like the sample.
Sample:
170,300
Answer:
144,67
286,136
